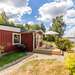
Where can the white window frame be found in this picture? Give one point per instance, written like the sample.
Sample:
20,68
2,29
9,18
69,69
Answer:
13,38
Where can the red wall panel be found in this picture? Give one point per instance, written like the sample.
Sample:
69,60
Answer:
6,40
27,39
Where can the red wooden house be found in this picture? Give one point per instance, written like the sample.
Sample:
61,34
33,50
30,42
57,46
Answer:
10,36
7,35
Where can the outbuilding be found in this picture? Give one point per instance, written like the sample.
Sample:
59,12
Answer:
32,39
11,36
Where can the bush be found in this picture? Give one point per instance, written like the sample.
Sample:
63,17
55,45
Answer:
70,62
63,44
49,38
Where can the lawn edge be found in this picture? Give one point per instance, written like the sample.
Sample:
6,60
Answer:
28,54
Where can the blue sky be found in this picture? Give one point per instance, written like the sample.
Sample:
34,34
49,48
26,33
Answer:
35,5
35,11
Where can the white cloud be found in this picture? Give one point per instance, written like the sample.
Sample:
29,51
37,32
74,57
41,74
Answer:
17,3
11,20
69,17
31,22
70,33
53,9
70,13
57,8
15,8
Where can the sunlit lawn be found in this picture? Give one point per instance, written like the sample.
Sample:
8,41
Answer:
42,67
9,58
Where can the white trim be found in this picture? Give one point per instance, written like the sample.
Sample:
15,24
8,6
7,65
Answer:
33,42
13,38
7,28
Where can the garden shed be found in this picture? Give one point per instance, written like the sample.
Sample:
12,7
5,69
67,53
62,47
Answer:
32,39
12,36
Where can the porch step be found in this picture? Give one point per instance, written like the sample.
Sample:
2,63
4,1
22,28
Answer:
51,52
42,51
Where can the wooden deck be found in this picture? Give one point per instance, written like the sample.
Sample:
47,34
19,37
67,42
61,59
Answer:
48,51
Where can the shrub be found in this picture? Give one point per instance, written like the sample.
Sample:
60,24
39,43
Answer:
70,62
63,44
49,38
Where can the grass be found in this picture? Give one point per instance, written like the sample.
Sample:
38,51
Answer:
6,59
42,67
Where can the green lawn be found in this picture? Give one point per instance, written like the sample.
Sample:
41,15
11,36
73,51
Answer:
6,59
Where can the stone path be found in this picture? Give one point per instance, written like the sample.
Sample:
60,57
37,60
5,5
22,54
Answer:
34,56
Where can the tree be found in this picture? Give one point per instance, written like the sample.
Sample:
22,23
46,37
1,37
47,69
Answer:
11,23
58,25
20,26
3,18
43,27
36,27
28,27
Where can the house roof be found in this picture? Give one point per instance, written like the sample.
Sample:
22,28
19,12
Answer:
8,28
15,29
36,31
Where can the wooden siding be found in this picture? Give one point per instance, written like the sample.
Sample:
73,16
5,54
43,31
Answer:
27,39
6,40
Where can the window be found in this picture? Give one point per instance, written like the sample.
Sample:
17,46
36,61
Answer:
16,38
